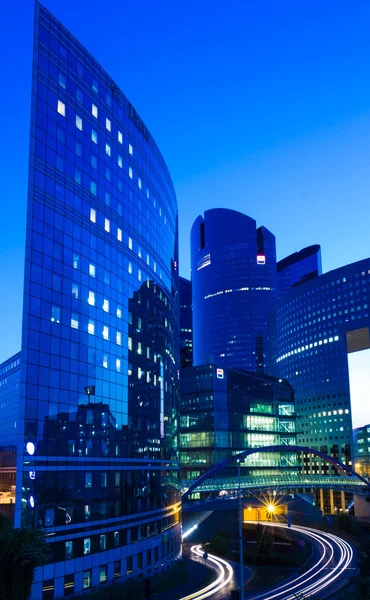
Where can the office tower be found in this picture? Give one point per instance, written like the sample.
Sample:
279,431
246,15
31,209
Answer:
229,410
234,286
186,323
314,327
97,438
361,439
298,268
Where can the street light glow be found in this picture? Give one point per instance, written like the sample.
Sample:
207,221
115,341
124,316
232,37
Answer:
271,508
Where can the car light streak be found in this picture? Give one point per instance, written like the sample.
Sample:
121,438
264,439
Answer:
225,575
315,579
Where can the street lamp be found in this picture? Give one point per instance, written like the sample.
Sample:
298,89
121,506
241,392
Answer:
241,533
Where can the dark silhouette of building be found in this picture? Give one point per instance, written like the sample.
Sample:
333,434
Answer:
298,268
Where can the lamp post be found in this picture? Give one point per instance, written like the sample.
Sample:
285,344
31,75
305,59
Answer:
240,519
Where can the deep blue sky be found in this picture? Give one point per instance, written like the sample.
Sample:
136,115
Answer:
257,105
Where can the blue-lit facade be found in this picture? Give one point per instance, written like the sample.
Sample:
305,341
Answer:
298,267
186,323
361,440
315,326
97,443
9,406
226,411
234,286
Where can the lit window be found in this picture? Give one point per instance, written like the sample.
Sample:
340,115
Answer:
87,580
147,259
61,108
75,290
147,193
92,270
120,162
74,321
105,361
87,546
120,138
103,541
62,80
107,225
130,267
119,234
76,261
105,332
91,298
93,215
155,267
91,327
106,305
139,348
129,343
118,364
130,149
55,314
108,124
118,338
107,149
119,312
94,111
139,182
139,275
95,86
130,243
93,187
130,173
94,161
94,136
78,122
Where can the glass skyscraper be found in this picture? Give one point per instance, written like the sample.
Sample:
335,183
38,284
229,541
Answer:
298,268
314,327
97,422
234,286
186,323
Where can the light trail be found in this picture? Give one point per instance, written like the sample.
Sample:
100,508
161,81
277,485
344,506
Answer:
225,574
315,579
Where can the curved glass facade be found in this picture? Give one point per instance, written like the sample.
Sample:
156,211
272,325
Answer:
234,286
100,346
298,268
315,326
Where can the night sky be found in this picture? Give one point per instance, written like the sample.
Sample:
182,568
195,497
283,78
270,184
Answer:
256,105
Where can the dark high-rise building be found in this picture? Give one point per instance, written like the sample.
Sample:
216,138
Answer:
234,286
298,268
361,438
229,410
98,402
186,323
314,327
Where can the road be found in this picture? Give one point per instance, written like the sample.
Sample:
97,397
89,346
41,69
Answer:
328,569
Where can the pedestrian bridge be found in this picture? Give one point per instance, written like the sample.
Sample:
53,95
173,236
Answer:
343,477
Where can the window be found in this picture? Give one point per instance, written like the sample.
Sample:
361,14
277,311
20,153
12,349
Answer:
129,565
120,138
76,261
93,187
91,327
119,234
105,361
139,274
130,267
91,298
74,321
62,80
107,225
105,332
69,585
94,111
78,176
130,149
118,365
107,149
94,161
79,95
119,312
87,545
103,574
117,569
61,108
104,480
94,136
118,338
93,215
116,539
139,182
107,198
120,162
78,122
68,550
92,270
108,124
130,243
86,582
103,542
55,314
78,148
95,86
106,305
130,173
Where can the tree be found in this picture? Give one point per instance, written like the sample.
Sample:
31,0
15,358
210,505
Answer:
21,551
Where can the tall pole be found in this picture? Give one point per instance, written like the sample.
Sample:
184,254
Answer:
240,519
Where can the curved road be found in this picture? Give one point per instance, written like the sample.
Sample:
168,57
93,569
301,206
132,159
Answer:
326,570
